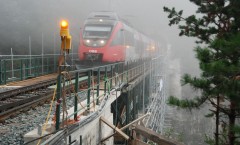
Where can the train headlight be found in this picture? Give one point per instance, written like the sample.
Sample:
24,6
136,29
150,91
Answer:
87,42
153,48
102,41
94,43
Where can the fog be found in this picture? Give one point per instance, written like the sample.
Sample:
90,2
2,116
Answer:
20,19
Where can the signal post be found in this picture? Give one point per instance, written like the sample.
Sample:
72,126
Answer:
62,66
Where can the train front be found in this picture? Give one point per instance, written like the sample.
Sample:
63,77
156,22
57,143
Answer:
97,43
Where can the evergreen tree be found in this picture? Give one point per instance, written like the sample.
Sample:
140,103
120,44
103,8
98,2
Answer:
217,25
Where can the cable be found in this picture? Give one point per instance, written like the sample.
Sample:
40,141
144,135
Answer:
44,127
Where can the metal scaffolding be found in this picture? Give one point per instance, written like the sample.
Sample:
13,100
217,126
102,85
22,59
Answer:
157,104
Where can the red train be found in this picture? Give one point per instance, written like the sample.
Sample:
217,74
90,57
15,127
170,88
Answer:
105,38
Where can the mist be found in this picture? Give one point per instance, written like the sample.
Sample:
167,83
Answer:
28,18
21,19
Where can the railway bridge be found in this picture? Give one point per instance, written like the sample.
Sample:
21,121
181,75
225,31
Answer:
121,103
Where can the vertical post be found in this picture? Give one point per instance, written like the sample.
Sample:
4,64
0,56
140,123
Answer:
118,68
21,69
54,53
111,76
143,95
134,102
30,55
75,98
105,81
118,75
72,56
127,71
80,140
5,71
150,79
89,90
127,110
122,71
116,112
47,65
98,85
0,71
38,65
26,67
35,67
42,55
69,139
12,63
58,101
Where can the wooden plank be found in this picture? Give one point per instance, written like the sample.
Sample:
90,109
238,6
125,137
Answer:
136,120
153,136
115,128
126,126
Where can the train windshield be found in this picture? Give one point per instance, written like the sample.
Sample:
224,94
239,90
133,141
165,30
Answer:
97,31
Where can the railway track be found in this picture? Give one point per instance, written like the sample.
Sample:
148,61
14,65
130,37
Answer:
21,90
15,105
19,99
22,98
14,101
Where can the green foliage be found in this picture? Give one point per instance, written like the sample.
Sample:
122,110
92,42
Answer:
180,137
220,64
170,133
237,129
151,143
218,25
209,140
210,114
213,14
185,103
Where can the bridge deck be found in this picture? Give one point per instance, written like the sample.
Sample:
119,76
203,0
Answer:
90,128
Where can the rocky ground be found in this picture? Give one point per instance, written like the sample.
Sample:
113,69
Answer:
13,130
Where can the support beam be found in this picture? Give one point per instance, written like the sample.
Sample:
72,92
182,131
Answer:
126,126
115,128
131,123
153,136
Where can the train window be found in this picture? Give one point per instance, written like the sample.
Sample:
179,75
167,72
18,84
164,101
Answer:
129,39
118,39
97,31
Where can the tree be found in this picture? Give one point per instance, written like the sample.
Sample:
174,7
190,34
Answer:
216,24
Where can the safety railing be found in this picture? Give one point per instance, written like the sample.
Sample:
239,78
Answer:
104,78
101,83
20,68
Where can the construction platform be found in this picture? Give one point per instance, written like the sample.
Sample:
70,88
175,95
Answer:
89,121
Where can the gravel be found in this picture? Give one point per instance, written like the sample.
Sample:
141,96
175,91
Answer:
13,130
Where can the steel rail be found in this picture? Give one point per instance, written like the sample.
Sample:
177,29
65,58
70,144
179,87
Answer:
20,90
23,99
40,98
